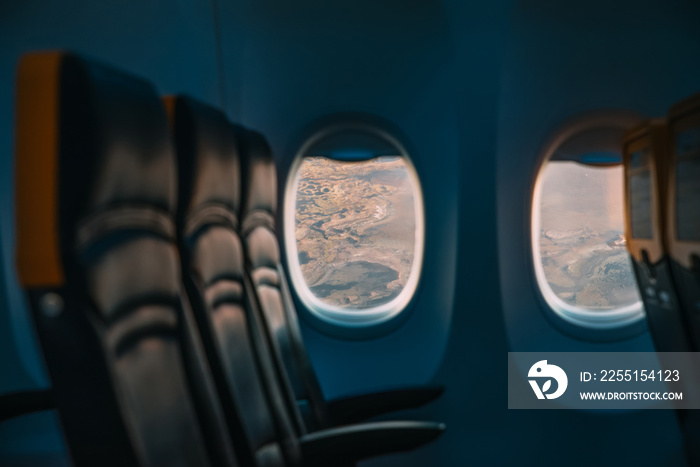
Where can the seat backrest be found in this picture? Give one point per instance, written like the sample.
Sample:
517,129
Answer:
259,208
683,208
646,163
96,254
213,262
645,158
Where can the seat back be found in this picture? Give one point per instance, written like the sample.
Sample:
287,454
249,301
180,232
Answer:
683,208
647,162
95,194
259,209
645,158
213,261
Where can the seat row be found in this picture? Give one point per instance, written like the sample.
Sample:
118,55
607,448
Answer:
662,199
147,248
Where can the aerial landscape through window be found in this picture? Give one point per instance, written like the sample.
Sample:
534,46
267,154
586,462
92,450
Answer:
581,236
355,227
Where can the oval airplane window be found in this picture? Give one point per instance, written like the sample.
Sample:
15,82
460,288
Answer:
354,226
581,261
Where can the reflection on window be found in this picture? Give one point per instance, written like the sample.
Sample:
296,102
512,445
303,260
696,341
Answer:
355,229
582,246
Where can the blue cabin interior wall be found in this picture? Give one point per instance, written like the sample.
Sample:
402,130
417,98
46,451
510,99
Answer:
635,55
474,404
304,61
563,59
475,87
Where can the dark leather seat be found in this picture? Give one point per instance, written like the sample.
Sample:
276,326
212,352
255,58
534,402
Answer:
258,398
263,253
96,254
212,259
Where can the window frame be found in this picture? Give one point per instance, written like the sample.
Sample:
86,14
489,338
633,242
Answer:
331,315
616,323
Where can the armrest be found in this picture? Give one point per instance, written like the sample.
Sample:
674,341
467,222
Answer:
350,444
21,403
353,409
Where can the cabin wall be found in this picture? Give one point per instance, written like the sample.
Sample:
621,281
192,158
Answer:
563,59
306,61
476,88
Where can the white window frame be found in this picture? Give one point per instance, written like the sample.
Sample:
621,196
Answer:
341,316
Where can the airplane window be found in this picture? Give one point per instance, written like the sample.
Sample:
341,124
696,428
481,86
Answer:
356,230
579,243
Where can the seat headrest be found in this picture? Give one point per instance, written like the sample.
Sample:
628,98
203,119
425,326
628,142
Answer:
259,180
208,165
118,125
90,139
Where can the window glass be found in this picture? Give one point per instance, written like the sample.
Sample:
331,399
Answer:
355,226
581,236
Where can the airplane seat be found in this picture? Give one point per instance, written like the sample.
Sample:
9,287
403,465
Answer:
212,259
259,207
262,250
646,163
96,255
229,316
683,207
